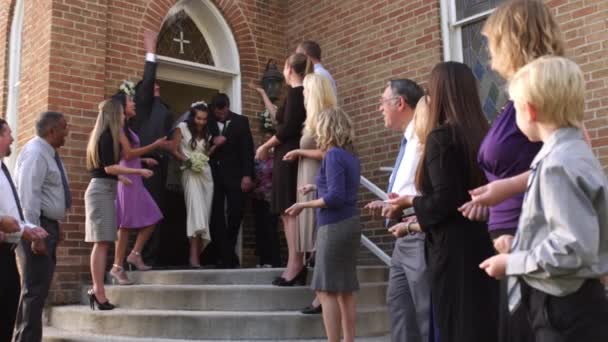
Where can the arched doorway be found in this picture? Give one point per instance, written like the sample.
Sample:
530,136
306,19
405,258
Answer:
197,48
197,57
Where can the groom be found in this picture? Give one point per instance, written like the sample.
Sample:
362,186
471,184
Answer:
232,169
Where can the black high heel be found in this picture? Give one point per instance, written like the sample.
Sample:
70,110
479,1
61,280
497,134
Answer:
299,279
100,306
278,280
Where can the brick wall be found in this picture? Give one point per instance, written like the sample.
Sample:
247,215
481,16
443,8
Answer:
6,11
76,52
364,45
585,28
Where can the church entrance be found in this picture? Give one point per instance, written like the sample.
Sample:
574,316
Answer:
197,58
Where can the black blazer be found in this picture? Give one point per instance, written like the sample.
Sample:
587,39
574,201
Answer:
233,160
153,119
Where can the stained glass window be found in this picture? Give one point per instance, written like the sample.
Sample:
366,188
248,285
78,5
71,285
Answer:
476,56
180,38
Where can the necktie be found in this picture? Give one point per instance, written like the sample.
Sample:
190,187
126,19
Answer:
64,181
395,170
397,165
513,283
15,195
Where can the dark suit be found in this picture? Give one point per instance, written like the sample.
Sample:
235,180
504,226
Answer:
153,120
229,164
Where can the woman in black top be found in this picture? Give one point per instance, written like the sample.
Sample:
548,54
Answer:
103,155
464,298
290,118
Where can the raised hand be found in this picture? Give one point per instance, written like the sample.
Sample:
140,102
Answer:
150,39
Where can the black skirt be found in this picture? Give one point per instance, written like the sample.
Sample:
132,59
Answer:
284,178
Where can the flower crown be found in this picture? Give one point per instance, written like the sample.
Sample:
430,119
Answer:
128,88
194,104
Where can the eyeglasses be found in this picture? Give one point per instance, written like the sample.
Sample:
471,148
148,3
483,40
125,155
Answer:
383,100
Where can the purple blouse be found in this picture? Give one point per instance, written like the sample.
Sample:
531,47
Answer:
506,152
338,185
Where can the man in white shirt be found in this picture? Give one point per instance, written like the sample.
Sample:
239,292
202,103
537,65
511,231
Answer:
408,294
10,211
45,197
312,50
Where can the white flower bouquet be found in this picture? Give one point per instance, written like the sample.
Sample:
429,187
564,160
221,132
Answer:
196,163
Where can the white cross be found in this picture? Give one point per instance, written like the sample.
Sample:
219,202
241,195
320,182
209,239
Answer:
181,42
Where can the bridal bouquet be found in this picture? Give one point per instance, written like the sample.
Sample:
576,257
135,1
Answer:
196,162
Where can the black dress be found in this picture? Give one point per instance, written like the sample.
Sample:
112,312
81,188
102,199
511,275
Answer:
464,298
290,118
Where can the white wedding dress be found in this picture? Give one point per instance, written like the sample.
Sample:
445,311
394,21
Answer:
198,189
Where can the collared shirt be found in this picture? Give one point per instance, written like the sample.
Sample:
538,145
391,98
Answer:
38,181
405,179
319,69
8,207
562,238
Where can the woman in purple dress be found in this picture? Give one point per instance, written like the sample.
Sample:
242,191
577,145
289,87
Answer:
135,207
518,32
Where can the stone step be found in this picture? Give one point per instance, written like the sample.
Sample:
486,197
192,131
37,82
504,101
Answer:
56,335
224,325
241,276
227,297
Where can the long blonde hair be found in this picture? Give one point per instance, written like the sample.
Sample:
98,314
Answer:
109,117
319,97
518,32
335,129
422,128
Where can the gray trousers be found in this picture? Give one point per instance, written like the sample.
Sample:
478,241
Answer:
409,291
37,274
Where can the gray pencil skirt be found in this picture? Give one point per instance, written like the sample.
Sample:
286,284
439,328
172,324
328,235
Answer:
100,210
337,247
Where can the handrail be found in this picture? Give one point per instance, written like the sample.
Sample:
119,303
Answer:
366,241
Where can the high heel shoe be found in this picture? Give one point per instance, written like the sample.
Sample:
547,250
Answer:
119,276
278,280
93,302
299,279
134,259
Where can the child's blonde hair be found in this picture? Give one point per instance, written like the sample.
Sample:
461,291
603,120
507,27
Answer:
520,31
319,96
555,87
335,129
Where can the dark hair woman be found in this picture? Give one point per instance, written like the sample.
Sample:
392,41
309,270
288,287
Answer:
464,298
192,145
290,120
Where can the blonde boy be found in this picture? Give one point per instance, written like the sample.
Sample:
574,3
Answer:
561,247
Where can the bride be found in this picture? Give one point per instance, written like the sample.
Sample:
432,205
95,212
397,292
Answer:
192,146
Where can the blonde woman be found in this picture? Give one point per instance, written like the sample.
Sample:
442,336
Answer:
318,96
103,155
339,229
518,32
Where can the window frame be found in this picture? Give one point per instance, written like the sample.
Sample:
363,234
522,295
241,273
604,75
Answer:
451,29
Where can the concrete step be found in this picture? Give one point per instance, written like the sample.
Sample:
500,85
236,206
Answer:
56,335
224,325
241,276
227,297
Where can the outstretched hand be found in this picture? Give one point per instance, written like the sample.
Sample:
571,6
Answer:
496,266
